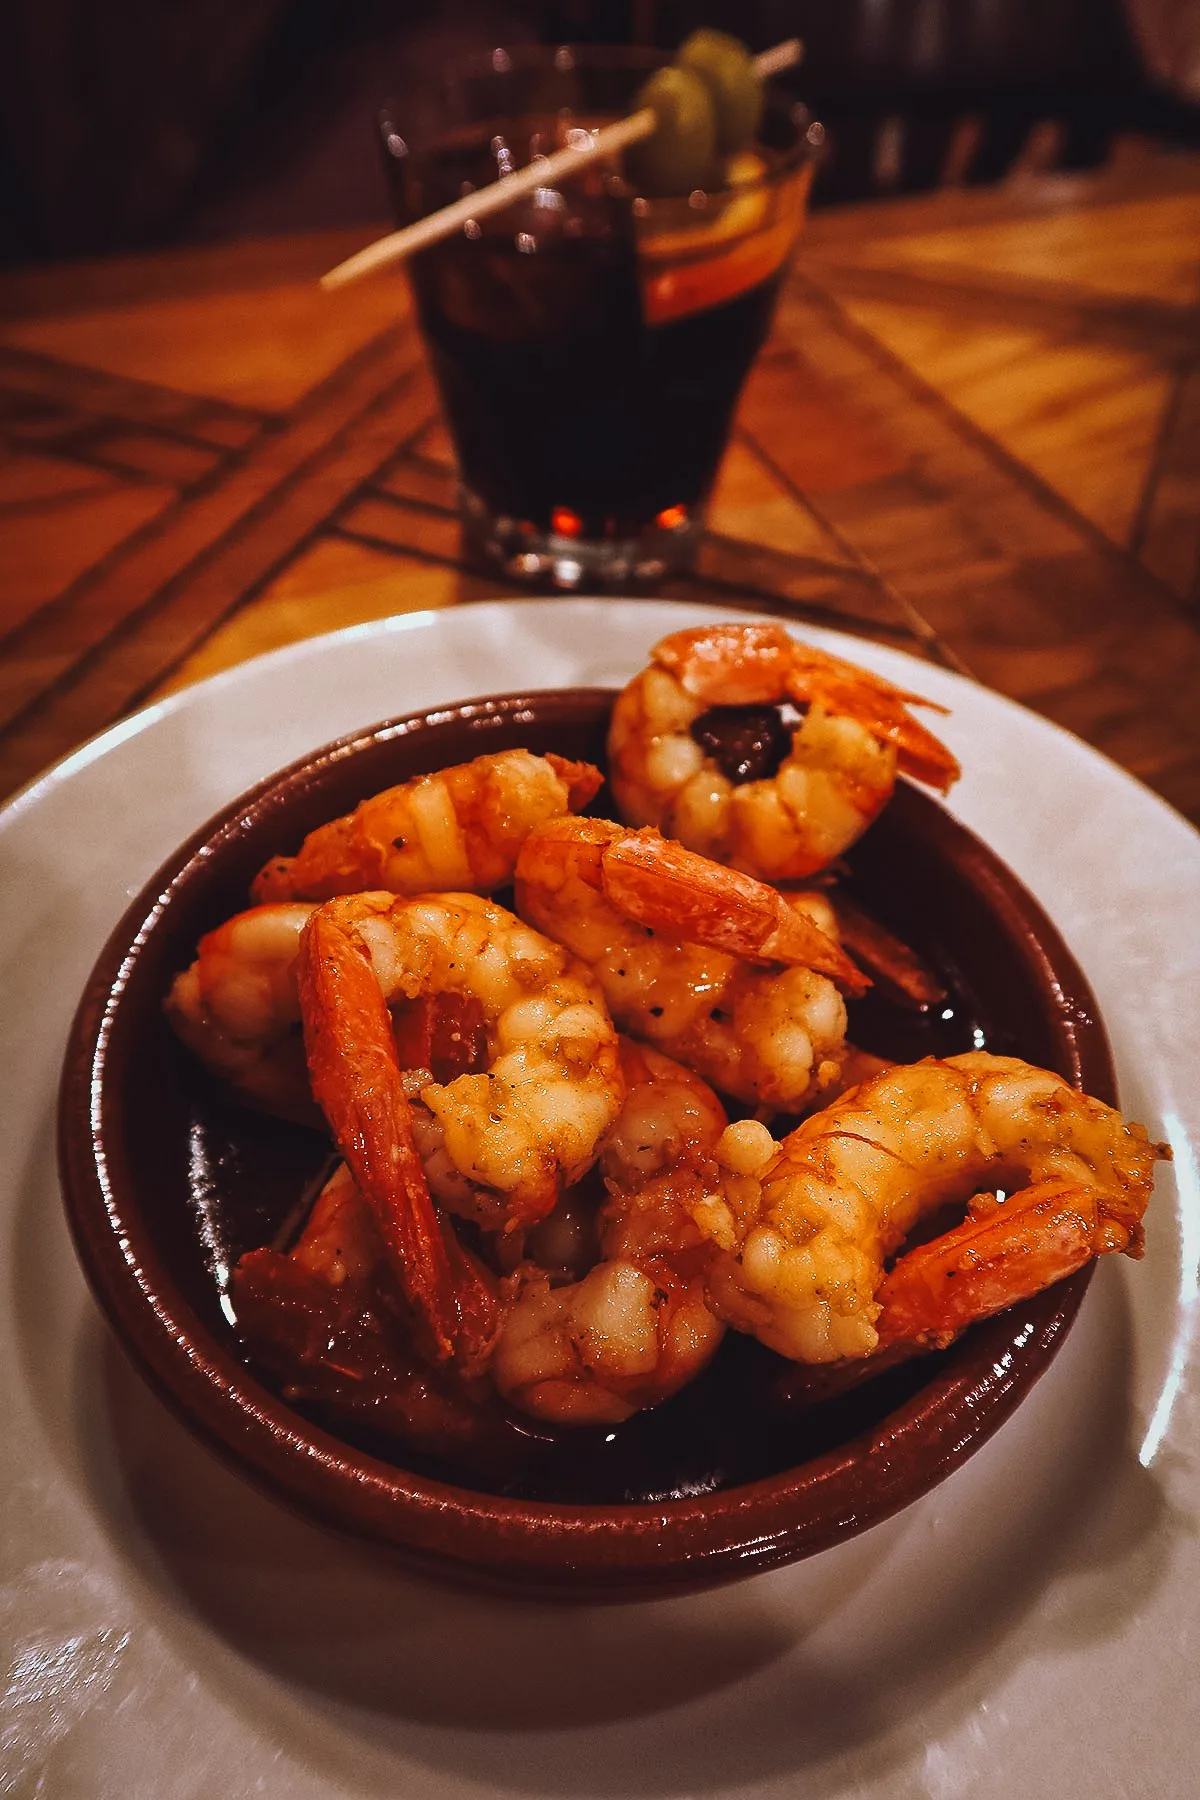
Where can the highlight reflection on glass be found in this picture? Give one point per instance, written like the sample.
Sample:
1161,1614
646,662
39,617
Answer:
1187,1176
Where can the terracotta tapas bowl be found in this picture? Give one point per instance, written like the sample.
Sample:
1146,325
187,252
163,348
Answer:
167,1183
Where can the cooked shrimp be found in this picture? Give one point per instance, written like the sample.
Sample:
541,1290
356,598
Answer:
674,941
238,1010
547,1048
667,1114
802,1232
507,1140
460,828
667,1111
327,1320
629,1332
697,747
636,1327
237,1007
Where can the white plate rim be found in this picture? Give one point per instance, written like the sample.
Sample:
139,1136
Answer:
604,629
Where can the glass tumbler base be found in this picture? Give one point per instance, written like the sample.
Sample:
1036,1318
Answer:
570,563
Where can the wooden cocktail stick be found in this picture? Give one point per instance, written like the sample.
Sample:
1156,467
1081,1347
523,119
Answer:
543,172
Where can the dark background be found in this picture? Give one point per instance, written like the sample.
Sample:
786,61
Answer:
126,123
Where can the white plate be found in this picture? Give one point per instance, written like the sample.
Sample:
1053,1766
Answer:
1032,1627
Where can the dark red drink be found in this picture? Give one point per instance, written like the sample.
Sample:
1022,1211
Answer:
590,346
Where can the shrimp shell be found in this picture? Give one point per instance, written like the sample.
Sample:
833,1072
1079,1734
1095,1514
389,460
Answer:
459,828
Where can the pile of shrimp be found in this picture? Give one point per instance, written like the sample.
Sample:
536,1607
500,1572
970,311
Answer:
557,1185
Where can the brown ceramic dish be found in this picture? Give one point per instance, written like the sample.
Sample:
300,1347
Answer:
167,1183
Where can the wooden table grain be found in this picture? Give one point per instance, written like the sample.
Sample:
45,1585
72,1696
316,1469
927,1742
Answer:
974,434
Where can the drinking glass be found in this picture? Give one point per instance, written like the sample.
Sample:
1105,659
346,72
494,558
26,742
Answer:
589,344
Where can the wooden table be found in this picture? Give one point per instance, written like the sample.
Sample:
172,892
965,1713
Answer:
975,434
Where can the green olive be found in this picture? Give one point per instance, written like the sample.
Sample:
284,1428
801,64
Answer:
679,155
727,69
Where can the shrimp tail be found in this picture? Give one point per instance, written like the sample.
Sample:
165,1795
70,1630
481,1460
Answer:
346,1026
855,693
582,780
924,757
660,884
904,975
996,1258
748,664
